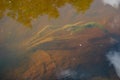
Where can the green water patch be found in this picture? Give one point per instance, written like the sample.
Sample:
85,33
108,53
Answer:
87,26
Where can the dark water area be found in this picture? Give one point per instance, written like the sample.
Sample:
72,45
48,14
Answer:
59,40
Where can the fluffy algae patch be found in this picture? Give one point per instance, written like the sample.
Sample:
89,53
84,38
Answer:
53,33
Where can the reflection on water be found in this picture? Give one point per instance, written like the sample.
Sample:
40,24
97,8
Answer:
25,11
113,3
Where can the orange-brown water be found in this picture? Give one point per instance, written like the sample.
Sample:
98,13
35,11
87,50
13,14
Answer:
42,39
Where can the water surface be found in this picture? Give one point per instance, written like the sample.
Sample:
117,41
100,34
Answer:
58,39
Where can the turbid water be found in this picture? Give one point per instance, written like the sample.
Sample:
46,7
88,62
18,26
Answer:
59,39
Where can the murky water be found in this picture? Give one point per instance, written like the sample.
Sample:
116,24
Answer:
58,39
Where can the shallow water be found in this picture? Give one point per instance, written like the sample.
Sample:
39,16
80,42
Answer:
42,39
